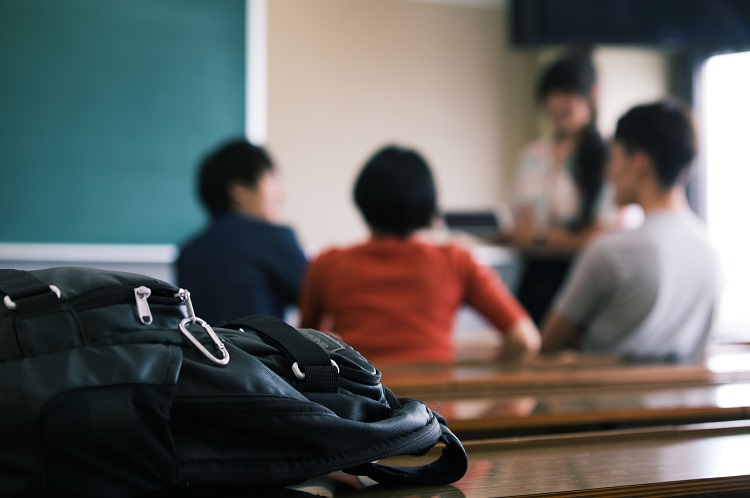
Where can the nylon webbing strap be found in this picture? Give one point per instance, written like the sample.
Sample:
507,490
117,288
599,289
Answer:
26,292
449,467
320,375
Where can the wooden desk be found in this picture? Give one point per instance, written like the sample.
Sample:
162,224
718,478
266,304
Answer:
699,460
545,373
559,411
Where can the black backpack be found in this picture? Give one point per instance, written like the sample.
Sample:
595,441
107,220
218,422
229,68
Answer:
111,386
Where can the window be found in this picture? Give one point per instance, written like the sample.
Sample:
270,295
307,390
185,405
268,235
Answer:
726,128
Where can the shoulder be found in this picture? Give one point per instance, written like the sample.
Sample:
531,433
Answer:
284,233
701,246
260,232
697,226
624,253
438,246
451,255
334,257
328,254
203,240
673,230
607,248
456,251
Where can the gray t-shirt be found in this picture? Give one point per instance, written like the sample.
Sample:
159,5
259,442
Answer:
649,293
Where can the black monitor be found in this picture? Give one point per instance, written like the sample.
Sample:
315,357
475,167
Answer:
480,223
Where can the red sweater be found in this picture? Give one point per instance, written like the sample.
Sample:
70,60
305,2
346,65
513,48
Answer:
395,300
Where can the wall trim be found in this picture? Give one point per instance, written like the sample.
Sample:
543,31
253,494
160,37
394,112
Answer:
95,253
256,71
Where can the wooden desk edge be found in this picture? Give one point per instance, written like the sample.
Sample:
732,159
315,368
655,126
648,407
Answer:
669,415
694,487
709,429
515,383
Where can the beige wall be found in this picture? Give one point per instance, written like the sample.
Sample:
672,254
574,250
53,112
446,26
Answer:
347,76
627,77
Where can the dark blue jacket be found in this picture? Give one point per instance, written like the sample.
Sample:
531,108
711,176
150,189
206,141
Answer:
241,266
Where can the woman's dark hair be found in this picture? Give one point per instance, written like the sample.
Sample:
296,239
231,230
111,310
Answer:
663,130
575,73
395,192
234,161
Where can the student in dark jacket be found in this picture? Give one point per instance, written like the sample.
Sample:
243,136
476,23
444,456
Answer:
244,262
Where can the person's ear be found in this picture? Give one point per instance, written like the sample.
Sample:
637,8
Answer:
239,193
642,163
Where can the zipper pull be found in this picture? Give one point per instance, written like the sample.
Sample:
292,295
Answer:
184,297
141,303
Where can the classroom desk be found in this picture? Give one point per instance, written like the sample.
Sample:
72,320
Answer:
545,373
559,411
697,460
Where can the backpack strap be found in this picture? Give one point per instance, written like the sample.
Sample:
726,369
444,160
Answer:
26,294
310,363
449,467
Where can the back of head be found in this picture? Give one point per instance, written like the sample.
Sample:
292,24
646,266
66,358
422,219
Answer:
573,73
665,132
395,192
236,161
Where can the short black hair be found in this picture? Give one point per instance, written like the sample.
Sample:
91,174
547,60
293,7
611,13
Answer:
234,161
395,191
665,131
573,73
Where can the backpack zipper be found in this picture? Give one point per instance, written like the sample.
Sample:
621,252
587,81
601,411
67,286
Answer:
142,295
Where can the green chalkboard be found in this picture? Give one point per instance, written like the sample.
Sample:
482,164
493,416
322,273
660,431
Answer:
106,107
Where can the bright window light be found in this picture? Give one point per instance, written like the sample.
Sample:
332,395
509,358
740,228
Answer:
726,131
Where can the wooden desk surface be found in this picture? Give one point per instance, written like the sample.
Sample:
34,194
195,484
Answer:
699,460
545,373
591,408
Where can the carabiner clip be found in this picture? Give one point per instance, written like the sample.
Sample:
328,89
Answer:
215,338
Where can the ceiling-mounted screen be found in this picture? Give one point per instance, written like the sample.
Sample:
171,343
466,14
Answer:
670,23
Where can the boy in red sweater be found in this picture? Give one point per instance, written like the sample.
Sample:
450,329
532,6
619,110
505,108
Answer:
394,297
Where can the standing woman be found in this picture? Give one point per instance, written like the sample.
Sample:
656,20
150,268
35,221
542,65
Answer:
558,188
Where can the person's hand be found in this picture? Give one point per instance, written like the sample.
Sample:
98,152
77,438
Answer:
558,240
527,237
522,341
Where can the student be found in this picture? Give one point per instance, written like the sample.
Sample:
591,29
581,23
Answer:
650,293
394,297
558,187
243,263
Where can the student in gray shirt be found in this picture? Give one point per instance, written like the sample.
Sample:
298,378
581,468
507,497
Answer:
650,293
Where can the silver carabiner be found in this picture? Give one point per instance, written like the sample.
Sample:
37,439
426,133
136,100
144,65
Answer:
215,338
